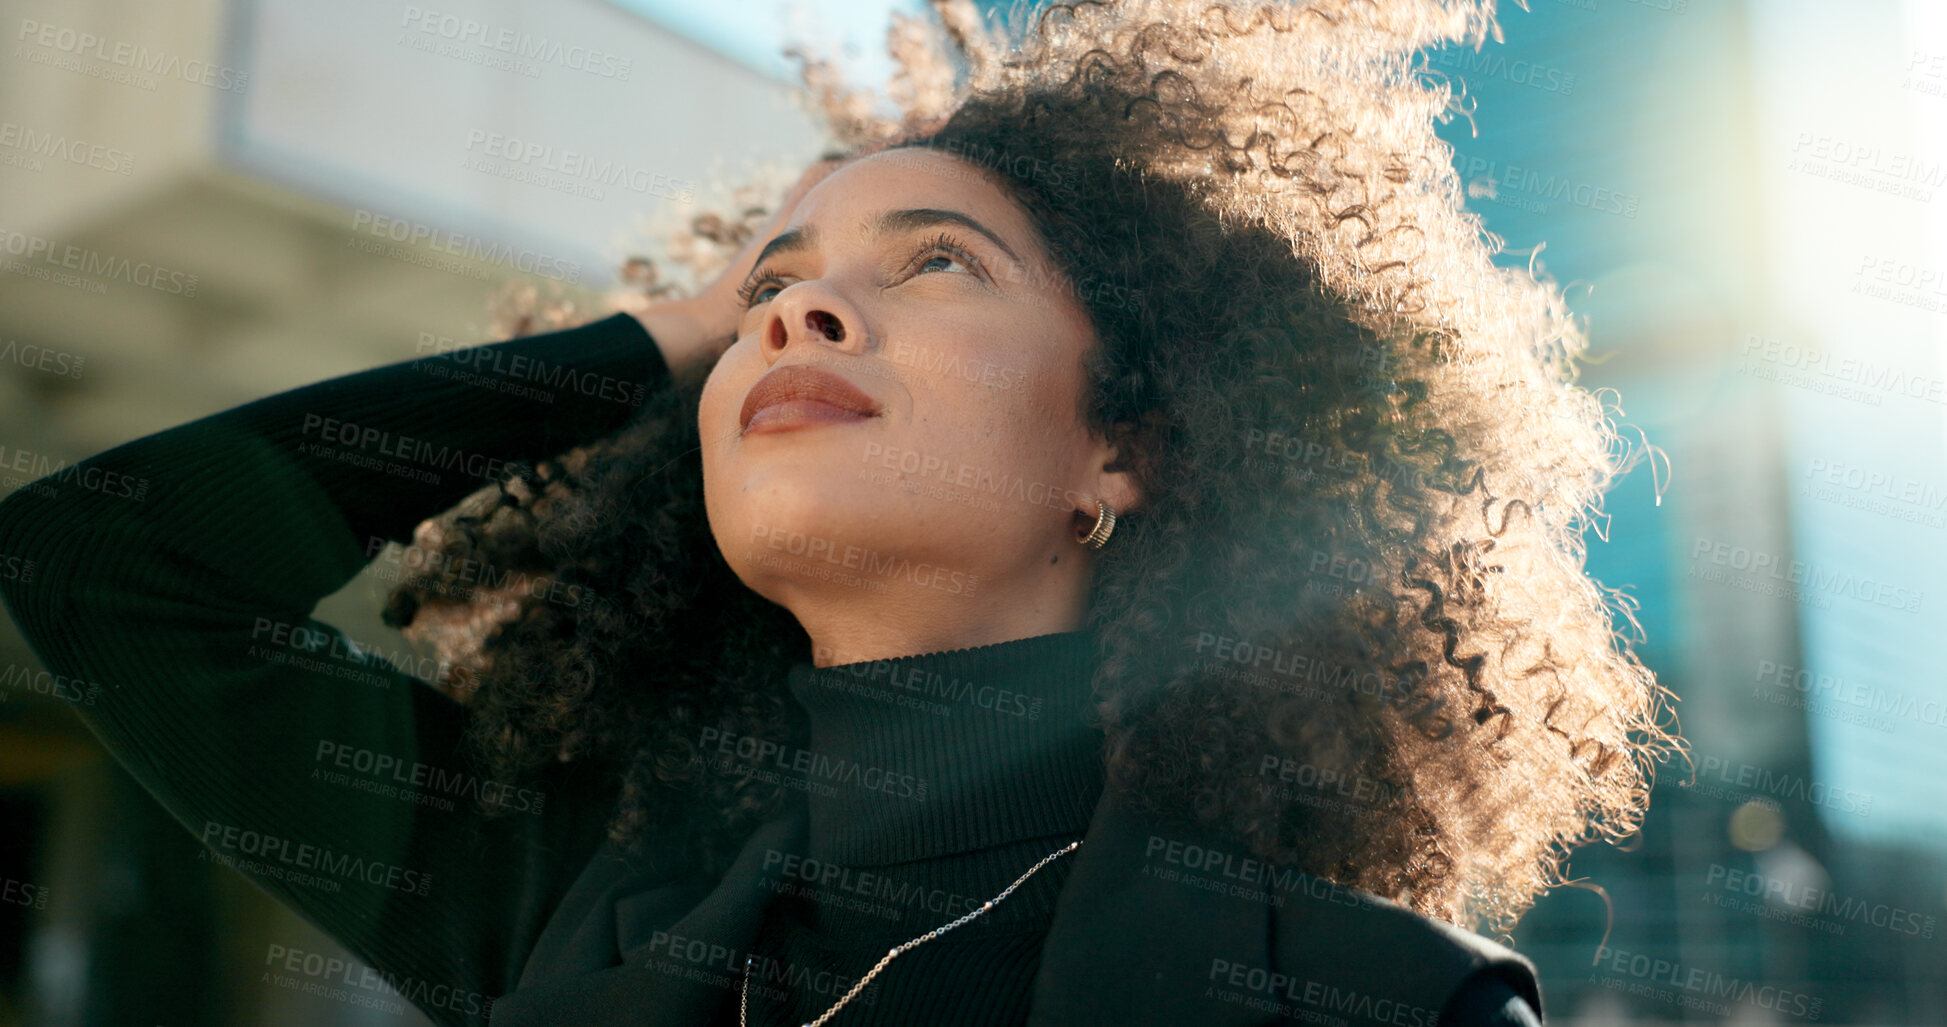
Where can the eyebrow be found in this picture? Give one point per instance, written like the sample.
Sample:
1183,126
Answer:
786,242
888,223
927,217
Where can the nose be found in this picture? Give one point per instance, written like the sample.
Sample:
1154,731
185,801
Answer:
827,324
811,312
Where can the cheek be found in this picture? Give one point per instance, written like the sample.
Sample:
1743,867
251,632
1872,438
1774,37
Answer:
1050,396
1010,432
723,392
1041,366
709,408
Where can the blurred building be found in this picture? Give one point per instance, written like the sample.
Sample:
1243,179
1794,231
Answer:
317,189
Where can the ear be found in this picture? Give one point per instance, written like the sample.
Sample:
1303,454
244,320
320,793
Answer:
1116,485
1118,460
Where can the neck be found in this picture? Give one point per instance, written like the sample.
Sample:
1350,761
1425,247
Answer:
933,608
953,751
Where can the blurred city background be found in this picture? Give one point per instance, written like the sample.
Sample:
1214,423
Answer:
1746,199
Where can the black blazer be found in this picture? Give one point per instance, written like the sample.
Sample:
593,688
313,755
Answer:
1135,941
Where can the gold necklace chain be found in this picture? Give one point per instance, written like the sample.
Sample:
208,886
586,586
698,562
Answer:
743,1005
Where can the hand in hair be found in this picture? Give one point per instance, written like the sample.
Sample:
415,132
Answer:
699,328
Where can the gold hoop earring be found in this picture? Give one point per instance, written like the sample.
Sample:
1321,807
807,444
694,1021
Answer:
1104,526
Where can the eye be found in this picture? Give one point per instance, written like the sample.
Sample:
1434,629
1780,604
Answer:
942,253
941,262
760,289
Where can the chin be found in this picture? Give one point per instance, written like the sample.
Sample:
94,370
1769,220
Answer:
775,523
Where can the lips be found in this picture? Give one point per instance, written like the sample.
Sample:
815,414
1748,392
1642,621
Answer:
805,385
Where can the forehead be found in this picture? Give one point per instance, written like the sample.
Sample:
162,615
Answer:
910,178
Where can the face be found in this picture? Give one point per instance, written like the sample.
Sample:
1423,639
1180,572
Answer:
917,448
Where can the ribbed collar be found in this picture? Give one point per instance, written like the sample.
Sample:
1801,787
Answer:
924,756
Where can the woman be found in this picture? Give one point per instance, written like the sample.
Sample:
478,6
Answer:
1106,552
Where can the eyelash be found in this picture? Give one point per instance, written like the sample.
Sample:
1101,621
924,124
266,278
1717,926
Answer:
939,244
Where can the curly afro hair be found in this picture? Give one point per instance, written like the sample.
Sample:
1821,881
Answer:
1350,628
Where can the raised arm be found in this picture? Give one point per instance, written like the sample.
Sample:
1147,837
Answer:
177,573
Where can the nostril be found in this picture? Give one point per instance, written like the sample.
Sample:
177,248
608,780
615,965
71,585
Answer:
826,325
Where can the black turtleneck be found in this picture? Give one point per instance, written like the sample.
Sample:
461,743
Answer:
963,770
